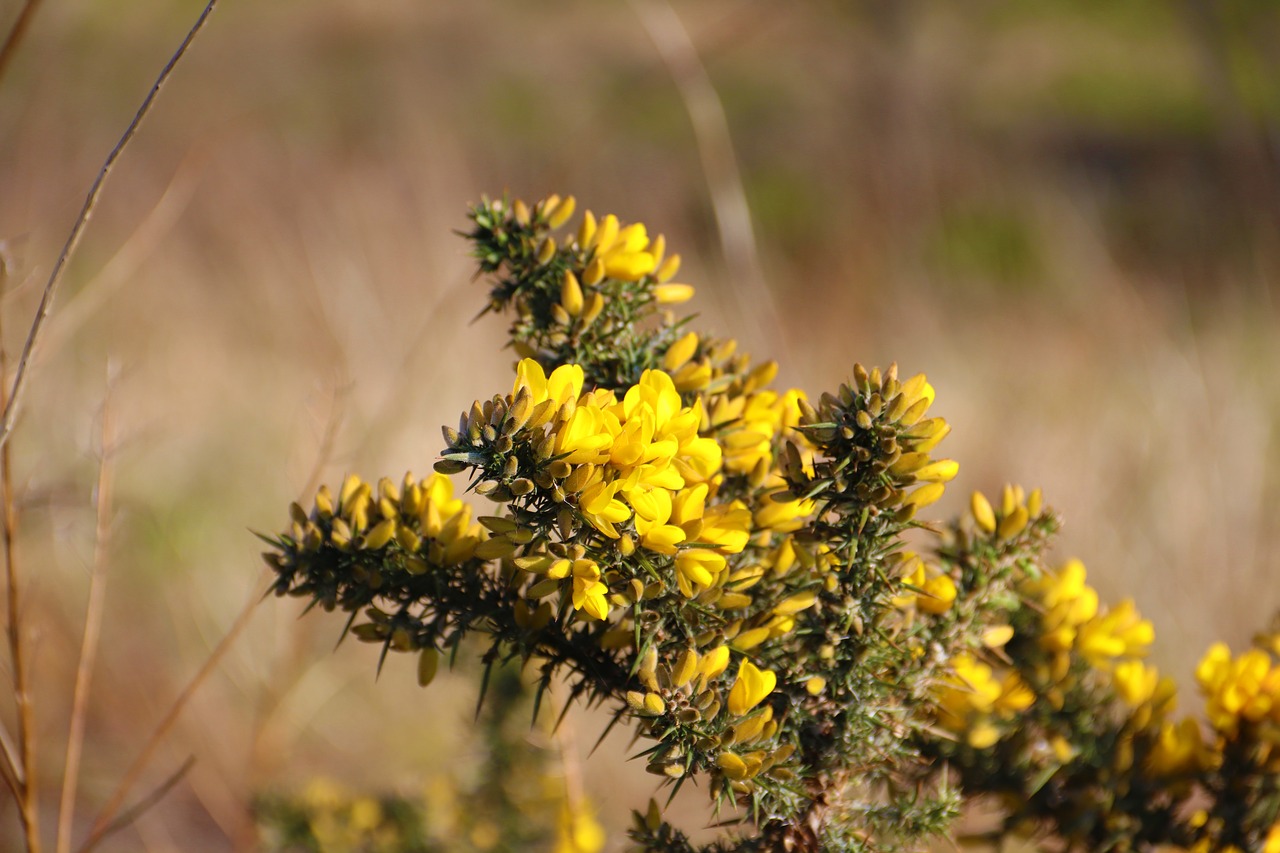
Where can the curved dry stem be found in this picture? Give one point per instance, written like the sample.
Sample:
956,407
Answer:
87,301
106,822
140,808
92,633
77,230
719,164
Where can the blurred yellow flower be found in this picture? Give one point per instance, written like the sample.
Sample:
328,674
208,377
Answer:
577,830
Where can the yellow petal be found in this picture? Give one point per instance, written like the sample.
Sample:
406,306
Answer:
673,294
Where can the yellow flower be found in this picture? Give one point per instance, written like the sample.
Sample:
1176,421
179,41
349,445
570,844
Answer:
1135,682
997,636
1178,749
1068,602
623,251
973,702
653,511
588,592
571,294
600,507
1015,696
1121,632
587,435
446,521
750,688
752,423
1247,687
936,593
785,516
732,765
698,569
564,384
939,593
714,662
940,471
557,210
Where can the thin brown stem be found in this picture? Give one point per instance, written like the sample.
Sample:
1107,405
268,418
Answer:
25,774
285,671
105,820
92,634
140,808
11,765
332,426
16,34
77,230
719,164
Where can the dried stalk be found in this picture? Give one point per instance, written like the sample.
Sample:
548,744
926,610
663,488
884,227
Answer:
106,822
719,165
92,634
77,230
141,807
27,787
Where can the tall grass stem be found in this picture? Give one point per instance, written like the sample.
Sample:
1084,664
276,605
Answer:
82,221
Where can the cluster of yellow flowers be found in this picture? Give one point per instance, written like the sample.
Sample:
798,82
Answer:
638,460
1055,710
1072,622
1062,634
637,470
975,702
341,820
1241,690
327,817
585,279
624,253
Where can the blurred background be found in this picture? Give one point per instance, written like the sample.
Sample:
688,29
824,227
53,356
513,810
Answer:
1065,212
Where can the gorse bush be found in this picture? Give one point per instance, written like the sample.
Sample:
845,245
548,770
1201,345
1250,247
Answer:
743,576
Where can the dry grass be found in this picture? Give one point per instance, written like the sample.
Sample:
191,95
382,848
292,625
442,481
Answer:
274,257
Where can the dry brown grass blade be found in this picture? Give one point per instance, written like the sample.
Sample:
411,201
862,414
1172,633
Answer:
16,34
106,822
332,426
92,632
719,164
77,230
140,808
24,776
10,763
285,669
